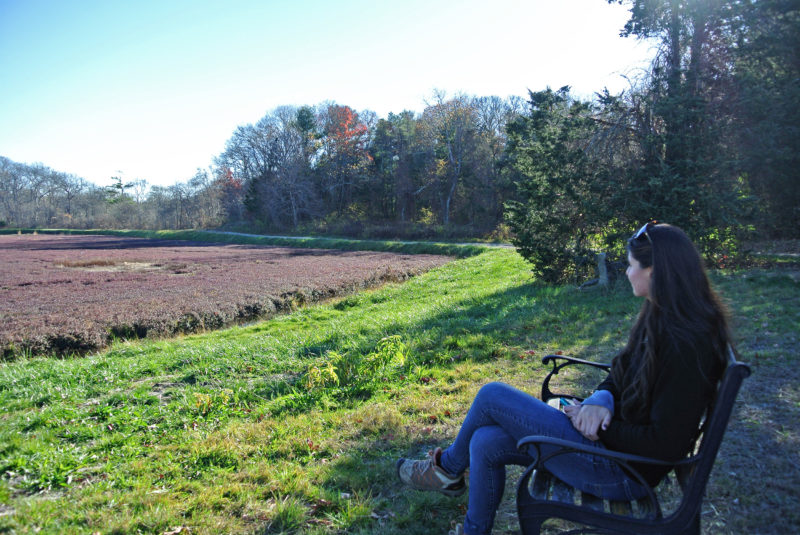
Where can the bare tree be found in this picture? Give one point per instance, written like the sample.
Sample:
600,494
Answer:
453,126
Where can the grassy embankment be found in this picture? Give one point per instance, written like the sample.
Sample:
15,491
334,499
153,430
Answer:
292,425
449,249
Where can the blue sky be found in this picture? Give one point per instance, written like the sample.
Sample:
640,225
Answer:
153,89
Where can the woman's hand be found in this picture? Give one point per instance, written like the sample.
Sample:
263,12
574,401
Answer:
588,419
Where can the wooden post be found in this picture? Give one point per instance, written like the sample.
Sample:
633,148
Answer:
602,272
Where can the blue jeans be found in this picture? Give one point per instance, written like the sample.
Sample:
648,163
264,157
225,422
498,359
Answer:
499,416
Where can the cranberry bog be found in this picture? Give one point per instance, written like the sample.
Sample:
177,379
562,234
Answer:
67,294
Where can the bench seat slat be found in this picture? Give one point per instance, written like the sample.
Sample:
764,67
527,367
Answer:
563,492
593,502
620,508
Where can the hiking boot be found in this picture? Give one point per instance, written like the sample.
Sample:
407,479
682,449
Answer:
427,474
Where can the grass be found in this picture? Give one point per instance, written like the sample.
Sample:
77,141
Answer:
292,425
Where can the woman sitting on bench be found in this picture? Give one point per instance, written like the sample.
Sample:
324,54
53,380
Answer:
650,404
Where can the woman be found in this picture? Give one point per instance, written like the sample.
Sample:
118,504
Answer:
650,404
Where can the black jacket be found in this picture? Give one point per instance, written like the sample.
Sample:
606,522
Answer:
686,380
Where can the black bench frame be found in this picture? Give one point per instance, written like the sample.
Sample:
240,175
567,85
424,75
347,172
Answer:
541,496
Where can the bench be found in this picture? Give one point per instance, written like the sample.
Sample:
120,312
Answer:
541,496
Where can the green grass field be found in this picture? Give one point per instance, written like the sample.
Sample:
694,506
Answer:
292,425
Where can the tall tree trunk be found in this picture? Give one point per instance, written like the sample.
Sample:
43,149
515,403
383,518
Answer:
674,86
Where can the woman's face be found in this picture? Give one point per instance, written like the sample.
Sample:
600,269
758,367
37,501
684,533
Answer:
639,277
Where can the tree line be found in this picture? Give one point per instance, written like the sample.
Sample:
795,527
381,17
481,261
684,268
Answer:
36,196
325,168
708,139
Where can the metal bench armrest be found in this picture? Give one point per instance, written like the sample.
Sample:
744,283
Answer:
524,443
566,361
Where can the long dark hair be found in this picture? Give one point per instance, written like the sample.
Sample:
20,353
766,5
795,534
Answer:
681,308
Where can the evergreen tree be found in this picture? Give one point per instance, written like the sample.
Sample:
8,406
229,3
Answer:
766,58
558,207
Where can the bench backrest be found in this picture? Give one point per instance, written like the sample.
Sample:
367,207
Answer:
694,477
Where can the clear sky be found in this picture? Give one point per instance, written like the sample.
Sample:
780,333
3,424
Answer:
152,89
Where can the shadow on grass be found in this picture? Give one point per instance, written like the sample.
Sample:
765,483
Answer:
498,329
755,480
754,483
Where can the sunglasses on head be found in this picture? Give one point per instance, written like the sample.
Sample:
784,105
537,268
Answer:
643,232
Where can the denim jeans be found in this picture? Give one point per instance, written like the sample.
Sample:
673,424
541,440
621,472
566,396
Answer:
500,415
